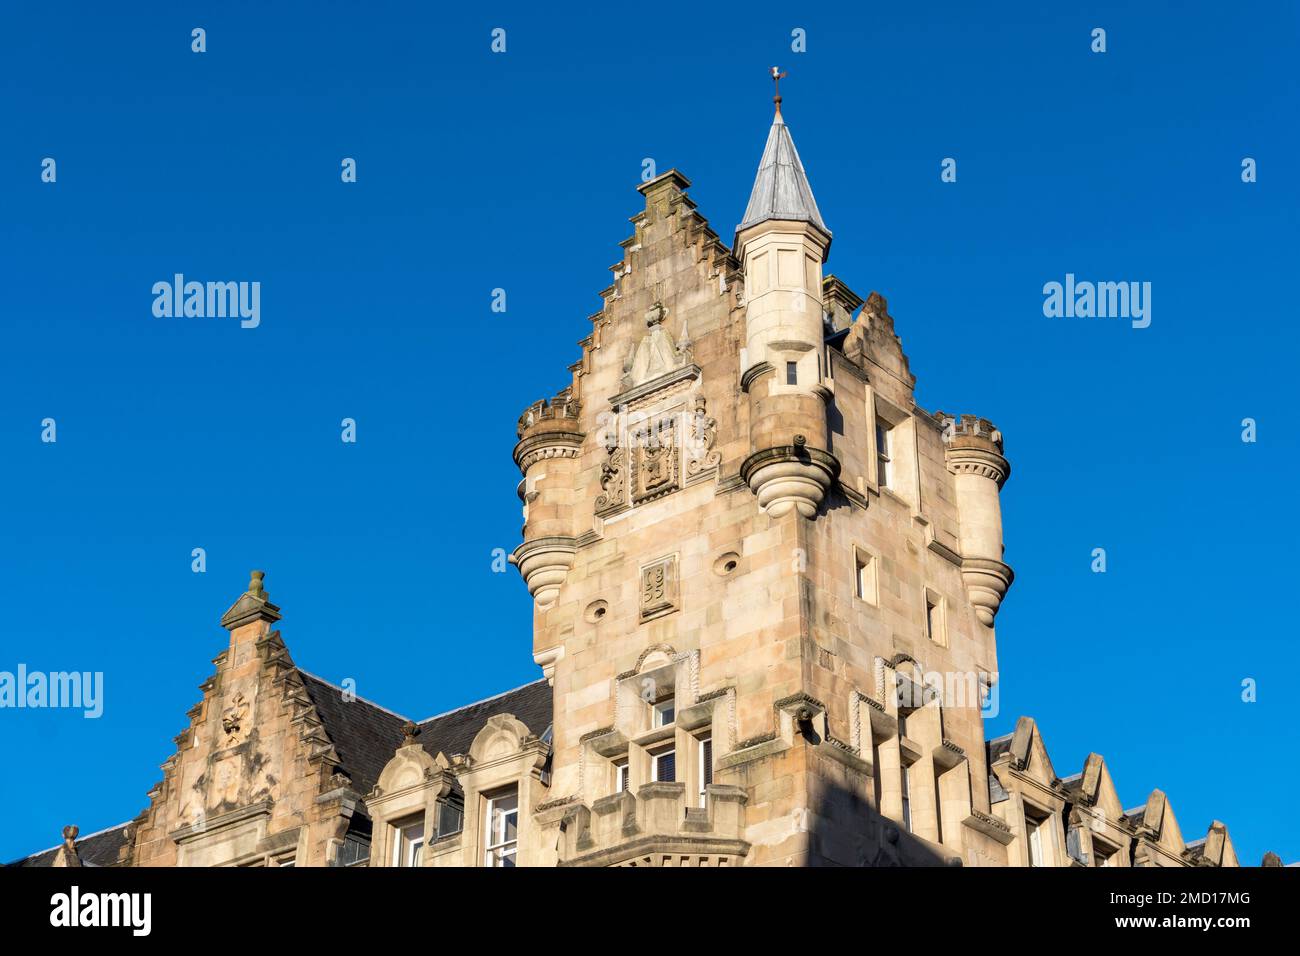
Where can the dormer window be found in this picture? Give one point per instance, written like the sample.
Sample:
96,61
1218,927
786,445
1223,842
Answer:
502,828
1035,829
451,815
355,850
408,847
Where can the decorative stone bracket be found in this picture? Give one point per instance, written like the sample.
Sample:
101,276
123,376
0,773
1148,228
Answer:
790,477
544,564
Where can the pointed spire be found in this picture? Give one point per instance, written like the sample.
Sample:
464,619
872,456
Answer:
781,189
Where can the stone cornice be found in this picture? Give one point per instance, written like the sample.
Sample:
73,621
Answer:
542,445
686,373
990,826
978,461
667,845
790,453
211,825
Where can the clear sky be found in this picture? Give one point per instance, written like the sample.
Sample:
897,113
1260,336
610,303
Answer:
518,170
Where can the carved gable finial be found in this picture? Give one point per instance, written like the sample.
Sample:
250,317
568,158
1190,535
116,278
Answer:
67,852
410,731
253,605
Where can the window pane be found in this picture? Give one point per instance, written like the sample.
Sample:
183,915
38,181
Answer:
450,818
355,849
882,453
665,712
666,767
791,373
502,829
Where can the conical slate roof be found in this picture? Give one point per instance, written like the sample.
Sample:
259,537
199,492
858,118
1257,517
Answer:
781,189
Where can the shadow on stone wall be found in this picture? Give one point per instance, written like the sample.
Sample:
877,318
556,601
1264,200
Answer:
846,831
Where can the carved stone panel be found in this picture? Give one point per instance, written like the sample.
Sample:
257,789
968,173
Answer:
655,454
659,593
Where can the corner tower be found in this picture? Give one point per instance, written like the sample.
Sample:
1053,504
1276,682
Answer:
747,549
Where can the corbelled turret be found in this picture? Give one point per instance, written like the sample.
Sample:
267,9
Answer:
782,243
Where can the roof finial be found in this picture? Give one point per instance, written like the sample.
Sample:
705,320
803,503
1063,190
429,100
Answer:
777,77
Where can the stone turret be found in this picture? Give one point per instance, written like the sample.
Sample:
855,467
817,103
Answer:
550,441
783,243
973,451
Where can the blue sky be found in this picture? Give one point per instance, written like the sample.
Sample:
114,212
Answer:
183,433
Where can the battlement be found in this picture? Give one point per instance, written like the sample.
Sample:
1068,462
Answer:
969,430
563,407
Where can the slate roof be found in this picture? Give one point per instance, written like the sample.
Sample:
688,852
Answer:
94,849
365,736
454,731
997,793
996,748
999,746
781,189
1135,816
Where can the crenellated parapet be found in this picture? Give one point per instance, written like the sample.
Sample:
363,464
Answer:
973,453
974,446
549,429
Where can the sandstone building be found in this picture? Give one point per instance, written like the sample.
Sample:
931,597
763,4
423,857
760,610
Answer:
765,586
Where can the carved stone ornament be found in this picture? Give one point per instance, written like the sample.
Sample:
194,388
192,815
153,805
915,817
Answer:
613,479
656,353
663,436
232,718
659,591
655,454
702,455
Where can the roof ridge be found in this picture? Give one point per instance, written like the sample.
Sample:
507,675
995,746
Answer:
29,856
342,690
448,713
